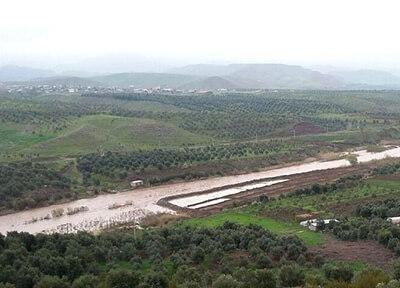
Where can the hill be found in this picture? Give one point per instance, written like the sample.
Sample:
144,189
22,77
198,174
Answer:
145,80
368,77
205,70
65,81
118,63
18,73
210,83
266,76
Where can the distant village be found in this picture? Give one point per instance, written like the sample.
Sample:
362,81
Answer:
30,88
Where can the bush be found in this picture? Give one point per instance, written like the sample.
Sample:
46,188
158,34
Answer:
155,280
122,279
6,285
391,284
51,282
291,276
225,281
338,272
396,269
263,279
86,281
370,278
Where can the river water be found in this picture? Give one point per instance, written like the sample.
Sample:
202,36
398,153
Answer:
144,200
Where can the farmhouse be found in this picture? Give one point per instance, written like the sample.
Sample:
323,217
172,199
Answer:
394,220
313,224
136,183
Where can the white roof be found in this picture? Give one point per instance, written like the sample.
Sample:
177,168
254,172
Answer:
315,221
394,218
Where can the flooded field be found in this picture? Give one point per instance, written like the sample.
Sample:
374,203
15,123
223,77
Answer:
203,200
97,213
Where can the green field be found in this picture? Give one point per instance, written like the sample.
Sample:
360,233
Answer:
245,218
99,133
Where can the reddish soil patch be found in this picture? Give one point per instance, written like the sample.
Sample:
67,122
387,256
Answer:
365,251
303,128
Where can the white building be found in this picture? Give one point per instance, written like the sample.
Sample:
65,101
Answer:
136,183
394,220
312,224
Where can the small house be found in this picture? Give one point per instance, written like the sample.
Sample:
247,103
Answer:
394,220
136,183
312,224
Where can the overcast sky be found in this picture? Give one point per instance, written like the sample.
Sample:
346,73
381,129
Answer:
337,32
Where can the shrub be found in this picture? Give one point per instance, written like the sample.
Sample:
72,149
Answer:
51,282
225,281
370,278
291,276
122,279
264,279
338,272
391,284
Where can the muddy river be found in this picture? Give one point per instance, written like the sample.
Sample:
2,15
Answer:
107,210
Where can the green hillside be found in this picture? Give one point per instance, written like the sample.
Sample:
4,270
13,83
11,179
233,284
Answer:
104,132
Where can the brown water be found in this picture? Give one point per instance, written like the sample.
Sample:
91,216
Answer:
144,200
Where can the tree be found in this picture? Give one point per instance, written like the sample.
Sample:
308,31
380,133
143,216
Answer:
391,284
186,274
26,277
6,285
338,272
51,282
264,279
370,278
225,281
396,270
291,276
122,279
86,281
156,280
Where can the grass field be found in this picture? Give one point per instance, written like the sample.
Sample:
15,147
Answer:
245,218
103,132
14,137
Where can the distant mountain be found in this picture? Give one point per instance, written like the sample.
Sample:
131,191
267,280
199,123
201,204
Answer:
66,81
145,80
204,70
210,83
266,76
76,73
118,63
3,89
204,76
18,73
368,77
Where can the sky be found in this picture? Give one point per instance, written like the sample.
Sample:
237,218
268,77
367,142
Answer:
309,32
